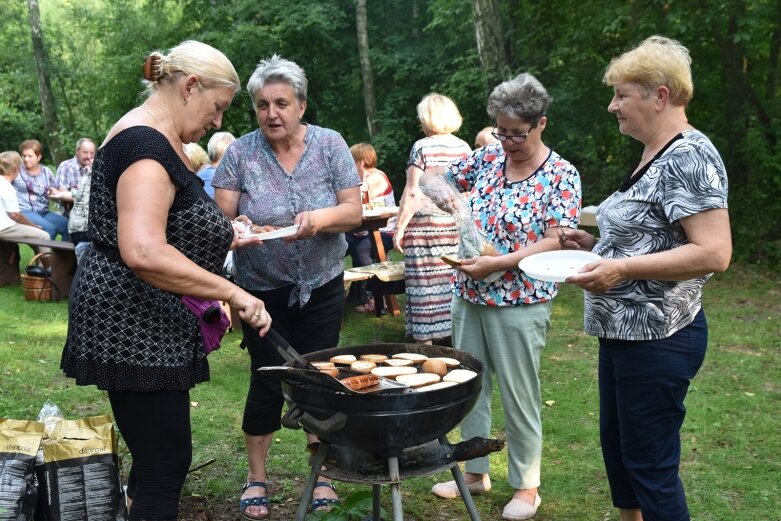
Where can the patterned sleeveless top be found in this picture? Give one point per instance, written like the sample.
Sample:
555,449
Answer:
125,334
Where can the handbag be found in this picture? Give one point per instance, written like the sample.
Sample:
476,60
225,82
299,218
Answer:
212,321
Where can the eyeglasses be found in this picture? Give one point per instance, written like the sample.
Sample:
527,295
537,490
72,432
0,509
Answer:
519,138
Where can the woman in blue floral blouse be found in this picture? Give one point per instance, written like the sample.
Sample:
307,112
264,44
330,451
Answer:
520,192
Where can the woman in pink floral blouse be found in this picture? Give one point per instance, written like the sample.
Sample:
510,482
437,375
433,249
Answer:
520,192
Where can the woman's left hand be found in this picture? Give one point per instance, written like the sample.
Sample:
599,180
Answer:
308,225
599,276
479,268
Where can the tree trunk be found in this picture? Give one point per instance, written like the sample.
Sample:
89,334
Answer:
44,85
369,102
490,41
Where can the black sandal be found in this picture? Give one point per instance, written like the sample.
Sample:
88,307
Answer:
260,501
323,501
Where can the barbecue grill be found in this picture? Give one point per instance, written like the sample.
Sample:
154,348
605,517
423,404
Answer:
385,436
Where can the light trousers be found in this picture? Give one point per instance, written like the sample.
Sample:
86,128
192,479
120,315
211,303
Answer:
24,231
509,341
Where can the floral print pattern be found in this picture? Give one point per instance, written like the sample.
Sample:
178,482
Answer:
513,215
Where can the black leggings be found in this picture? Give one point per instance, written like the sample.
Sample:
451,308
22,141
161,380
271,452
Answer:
314,327
156,428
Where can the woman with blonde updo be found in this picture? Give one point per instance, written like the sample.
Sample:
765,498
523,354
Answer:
155,236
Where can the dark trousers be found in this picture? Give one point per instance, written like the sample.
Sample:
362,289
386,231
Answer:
314,327
156,429
642,386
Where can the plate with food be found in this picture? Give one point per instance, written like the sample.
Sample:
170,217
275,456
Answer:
555,266
266,232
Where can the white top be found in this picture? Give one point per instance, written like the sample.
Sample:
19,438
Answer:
8,203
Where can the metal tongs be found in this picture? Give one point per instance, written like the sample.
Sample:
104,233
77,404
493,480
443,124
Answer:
288,353
302,370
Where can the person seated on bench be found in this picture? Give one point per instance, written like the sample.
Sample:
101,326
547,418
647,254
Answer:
376,190
34,186
14,225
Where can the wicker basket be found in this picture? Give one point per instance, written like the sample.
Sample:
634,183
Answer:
37,287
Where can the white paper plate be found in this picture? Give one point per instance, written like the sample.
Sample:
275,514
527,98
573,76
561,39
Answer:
275,234
555,266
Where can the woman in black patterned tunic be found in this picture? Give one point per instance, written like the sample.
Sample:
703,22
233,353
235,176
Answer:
156,236
663,234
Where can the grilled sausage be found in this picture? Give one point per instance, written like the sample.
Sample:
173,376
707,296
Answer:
360,382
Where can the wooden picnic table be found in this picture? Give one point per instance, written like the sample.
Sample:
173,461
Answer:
373,221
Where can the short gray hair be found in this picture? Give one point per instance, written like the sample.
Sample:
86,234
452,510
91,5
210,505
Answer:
83,140
277,70
522,97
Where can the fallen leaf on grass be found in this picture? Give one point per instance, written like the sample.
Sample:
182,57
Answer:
550,403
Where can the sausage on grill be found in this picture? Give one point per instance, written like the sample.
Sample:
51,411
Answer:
361,381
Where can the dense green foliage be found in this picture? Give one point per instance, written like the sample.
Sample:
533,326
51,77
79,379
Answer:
96,48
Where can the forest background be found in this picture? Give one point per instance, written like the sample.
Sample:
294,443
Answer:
71,68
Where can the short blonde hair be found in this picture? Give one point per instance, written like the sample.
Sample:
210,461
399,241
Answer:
657,61
366,153
217,145
438,114
9,161
211,66
196,153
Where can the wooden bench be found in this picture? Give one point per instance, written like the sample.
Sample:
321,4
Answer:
62,262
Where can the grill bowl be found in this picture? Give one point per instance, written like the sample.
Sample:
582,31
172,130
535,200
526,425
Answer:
379,422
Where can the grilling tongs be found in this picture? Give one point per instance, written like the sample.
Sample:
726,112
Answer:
302,370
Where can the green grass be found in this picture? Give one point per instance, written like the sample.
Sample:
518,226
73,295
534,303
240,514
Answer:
731,446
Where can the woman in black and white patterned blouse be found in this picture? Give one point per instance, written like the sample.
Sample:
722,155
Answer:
663,234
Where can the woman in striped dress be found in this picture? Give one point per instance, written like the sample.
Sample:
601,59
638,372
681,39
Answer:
423,232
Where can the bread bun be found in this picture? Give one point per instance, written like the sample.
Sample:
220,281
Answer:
330,371
393,372
321,365
432,365
459,375
450,362
362,366
397,362
343,359
377,359
418,379
416,358
436,386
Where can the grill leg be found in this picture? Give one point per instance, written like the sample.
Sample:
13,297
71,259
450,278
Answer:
474,515
376,507
317,464
395,477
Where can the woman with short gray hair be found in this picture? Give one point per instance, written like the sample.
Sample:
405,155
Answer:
287,172
521,193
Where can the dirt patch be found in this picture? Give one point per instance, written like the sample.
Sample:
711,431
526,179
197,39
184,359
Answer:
200,508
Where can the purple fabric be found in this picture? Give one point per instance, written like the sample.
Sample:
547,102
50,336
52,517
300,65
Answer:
212,321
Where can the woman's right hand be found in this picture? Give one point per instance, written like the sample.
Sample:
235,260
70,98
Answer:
570,239
398,239
251,310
